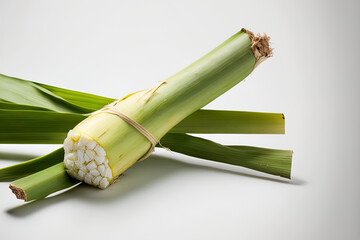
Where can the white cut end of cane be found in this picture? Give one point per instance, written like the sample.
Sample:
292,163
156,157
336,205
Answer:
84,169
82,147
91,145
108,173
81,141
70,164
92,165
97,180
90,153
88,179
101,169
86,160
71,173
80,160
99,160
81,174
78,164
100,151
68,145
80,154
75,136
69,133
94,172
103,183
70,156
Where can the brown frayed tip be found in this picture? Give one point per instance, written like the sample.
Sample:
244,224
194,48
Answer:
19,193
260,46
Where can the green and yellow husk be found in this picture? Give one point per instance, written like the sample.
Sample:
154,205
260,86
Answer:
160,108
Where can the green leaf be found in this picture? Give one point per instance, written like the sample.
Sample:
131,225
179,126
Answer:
37,113
18,91
32,166
81,99
272,161
40,184
24,126
218,121
14,106
28,126
202,121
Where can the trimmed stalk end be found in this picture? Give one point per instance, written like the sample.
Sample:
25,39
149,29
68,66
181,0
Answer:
86,160
19,193
260,46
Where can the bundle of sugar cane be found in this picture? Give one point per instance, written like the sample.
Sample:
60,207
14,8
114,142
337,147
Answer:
112,139
37,113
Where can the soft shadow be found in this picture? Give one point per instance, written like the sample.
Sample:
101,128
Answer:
241,171
16,156
138,177
297,182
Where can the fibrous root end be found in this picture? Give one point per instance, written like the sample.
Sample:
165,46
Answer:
260,45
19,193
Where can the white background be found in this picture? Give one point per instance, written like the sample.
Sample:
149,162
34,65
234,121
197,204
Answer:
112,48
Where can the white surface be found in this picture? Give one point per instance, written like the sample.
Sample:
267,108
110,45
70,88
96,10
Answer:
113,48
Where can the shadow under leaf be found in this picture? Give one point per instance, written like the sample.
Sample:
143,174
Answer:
142,175
16,156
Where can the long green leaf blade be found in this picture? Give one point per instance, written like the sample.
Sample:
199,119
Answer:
14,106
272,161
218,121
36,126
41,184
48,127
18,91
84,100
202,121
32,166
